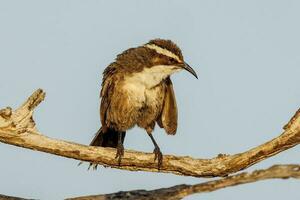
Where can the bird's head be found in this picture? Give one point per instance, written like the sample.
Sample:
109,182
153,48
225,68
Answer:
167,56
152,62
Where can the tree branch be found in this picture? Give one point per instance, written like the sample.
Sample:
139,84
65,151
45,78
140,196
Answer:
4,197
180,191
18,128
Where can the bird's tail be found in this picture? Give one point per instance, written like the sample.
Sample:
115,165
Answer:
107,139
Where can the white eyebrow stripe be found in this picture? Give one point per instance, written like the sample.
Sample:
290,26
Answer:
163,51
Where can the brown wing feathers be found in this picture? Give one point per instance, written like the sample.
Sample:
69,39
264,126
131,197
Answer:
169,117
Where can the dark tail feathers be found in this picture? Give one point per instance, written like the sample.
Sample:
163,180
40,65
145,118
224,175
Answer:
107,139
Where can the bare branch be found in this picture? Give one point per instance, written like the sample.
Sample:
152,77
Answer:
4,197
180,191
18,128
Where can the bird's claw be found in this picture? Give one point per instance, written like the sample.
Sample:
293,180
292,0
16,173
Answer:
120,153
93,166
159,156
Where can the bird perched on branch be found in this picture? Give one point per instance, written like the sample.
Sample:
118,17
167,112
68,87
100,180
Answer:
137,90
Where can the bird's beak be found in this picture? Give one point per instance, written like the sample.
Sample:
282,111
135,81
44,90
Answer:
189,69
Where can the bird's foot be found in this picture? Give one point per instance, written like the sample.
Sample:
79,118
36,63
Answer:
159,156
93,166
120,153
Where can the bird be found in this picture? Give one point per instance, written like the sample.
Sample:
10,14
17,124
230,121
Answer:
137,91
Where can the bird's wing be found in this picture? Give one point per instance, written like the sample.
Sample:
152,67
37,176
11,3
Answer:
106,91
168,118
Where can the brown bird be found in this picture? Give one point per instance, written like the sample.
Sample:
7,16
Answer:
137,90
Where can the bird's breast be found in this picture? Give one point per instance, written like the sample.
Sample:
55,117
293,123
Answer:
134,104
135,93
147,103
140,96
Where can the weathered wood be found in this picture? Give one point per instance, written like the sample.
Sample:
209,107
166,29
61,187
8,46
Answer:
18,128
4,197
180,191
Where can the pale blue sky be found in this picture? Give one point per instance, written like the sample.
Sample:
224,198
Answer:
246,54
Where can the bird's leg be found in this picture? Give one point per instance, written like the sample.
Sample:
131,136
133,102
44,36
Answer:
157,153
120,148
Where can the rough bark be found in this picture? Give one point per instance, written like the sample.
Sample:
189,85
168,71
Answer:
4,197
180,191
18,128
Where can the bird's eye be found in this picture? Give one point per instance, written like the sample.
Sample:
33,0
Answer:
172,60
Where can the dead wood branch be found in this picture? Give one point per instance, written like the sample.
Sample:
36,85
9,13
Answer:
18,128
4,197
180,191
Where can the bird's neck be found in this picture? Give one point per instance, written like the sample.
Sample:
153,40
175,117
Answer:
151,77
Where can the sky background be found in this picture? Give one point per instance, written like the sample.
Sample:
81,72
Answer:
246,54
